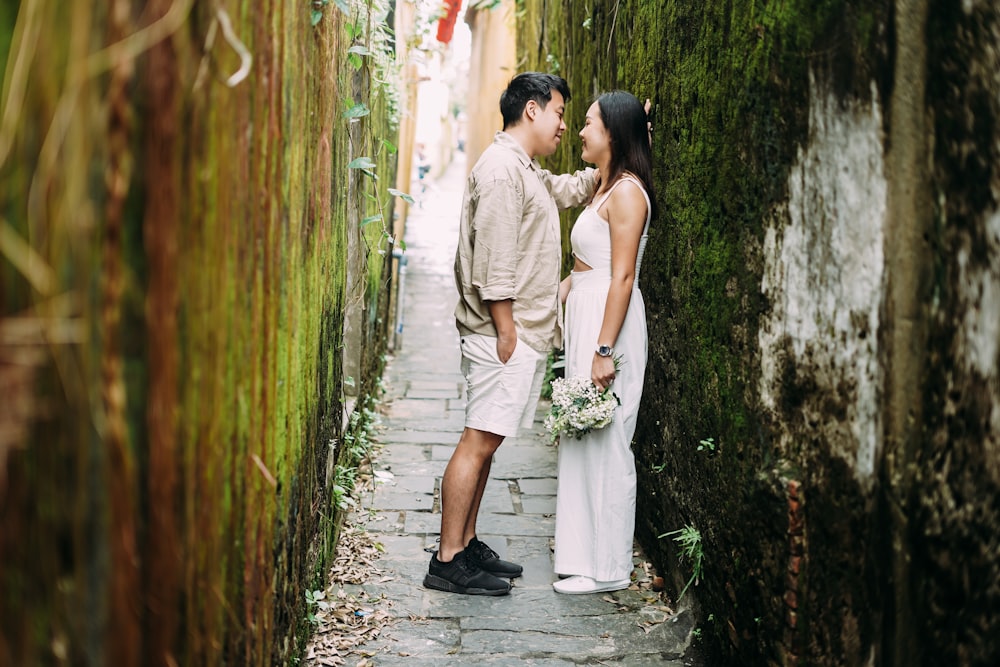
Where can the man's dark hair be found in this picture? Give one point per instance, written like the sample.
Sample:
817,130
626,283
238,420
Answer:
529,86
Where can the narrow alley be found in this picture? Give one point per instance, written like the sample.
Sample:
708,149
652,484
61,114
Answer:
424,417
230,392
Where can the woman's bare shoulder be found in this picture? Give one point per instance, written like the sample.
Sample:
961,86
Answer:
628,199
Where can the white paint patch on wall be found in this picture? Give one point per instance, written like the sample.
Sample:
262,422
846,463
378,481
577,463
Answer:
981,285
979,339
824,276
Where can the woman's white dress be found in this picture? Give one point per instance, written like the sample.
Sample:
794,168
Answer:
595,503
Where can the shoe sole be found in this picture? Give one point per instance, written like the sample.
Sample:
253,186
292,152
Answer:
600,589
441,584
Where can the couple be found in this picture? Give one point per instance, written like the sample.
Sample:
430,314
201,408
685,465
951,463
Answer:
507,269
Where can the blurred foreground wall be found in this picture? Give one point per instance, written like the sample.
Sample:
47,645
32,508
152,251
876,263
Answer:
191,253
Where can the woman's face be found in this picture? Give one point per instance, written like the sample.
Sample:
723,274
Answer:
596,139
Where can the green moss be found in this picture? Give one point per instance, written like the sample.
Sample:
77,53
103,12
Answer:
729,83
261,283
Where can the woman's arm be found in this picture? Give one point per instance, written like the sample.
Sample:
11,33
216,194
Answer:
564,288
626,211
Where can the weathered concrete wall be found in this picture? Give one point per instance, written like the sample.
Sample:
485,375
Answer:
821,288
953,509
492,63
173,282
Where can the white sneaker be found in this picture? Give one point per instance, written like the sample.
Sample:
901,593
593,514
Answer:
580,585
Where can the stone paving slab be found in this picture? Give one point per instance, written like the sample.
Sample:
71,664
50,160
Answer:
403,500
423,419
436,385
400,382
452,394
533,526
410,483
443,452
422,408
536,644
418,660
404,453
400,436
545,486
497,503
523,468
449,420
418,468
425,637
539,504
541,604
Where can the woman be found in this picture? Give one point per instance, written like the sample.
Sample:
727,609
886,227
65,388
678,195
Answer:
606,341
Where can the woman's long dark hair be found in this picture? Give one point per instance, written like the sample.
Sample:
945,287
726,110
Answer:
625,119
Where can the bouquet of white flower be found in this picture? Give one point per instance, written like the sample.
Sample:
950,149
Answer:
579,407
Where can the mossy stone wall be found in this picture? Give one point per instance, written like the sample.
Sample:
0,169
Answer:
818,289
172,298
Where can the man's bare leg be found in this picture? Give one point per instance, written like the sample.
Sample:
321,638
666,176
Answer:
470,523
462,488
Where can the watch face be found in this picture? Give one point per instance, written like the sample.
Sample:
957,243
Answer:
604,351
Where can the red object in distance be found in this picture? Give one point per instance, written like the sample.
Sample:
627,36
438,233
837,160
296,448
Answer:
446,26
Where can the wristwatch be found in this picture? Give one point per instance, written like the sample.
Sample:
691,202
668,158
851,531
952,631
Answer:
604,350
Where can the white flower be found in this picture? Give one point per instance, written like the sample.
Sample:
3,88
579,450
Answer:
578,407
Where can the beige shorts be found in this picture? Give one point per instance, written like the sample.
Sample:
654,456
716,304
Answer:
500,397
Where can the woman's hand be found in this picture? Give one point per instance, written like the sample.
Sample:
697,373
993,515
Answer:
602,371
649,122
564,288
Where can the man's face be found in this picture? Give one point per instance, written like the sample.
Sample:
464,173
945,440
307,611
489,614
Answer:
548,124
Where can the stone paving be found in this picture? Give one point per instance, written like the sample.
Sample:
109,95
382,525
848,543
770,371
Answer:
424,410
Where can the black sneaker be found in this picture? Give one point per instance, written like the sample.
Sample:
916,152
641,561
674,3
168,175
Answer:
460,575
489,560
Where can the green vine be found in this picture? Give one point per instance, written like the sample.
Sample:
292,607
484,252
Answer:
359,439
319,5
371,53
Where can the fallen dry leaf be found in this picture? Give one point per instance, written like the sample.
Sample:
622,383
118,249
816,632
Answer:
350,619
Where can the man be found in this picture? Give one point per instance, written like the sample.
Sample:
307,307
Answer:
507,272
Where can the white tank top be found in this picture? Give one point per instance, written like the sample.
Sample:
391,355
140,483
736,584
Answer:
591,234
